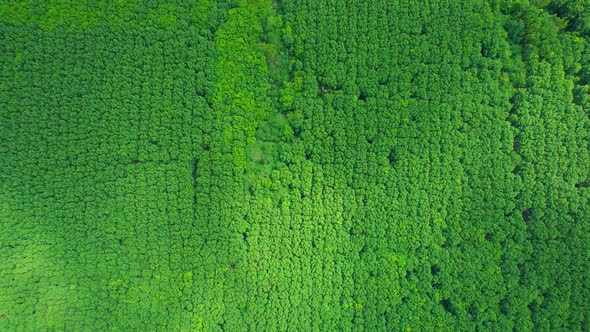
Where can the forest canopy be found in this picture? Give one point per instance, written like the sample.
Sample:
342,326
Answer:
301,165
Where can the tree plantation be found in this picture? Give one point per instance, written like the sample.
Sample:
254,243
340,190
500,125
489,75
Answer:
295,165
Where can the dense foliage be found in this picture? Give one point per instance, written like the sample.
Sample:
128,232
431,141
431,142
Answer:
295,165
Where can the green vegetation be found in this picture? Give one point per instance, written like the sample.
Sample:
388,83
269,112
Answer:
295,165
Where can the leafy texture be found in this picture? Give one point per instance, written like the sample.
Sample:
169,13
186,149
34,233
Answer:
294,165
